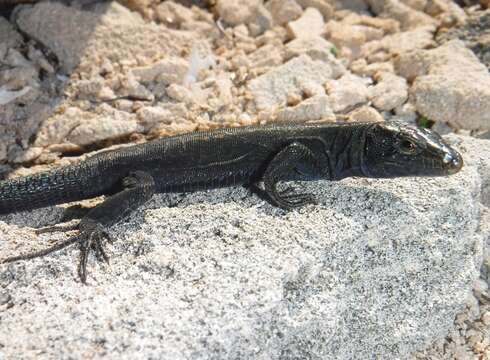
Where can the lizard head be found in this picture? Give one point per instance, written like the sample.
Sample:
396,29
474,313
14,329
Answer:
393,149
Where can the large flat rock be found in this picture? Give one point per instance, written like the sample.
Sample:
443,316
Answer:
377,268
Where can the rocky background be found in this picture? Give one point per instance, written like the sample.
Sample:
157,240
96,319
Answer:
80,76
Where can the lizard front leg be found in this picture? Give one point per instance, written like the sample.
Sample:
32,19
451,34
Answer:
137,188
295,162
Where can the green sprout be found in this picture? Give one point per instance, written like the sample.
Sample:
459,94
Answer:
424,122
335,51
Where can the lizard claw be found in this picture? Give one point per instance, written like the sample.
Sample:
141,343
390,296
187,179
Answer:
56,228
93,236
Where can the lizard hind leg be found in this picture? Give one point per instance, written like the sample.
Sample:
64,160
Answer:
138,188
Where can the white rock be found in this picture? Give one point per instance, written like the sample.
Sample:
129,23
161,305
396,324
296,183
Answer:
236,12
365,113
408,17
383,49
173,13
453,86
325,8
224,89
149,116
132,88
267,55
347,92
390,91
82,128
55,129
310,24
167,71
388,26
351,36
362,68
284,11
314,108
103,128
315,47
261,21
180,93
406,113
377,267
270,90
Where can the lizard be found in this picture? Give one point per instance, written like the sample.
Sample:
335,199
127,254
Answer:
257,156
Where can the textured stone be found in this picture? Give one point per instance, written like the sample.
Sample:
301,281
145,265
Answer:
390,91
314,108
323,6
267,55
236,12
347,92
81,128
166,71
388,26
450,85
365,113
172,13
377,267
270,90
284,11
362,68
103,128
8,36
383,49
316,48
150,116
261,22
408,17
358,6
108,32
351,34
475,33
310,24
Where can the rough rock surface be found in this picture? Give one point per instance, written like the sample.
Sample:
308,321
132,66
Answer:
475,33
88,38
347,92
310,24
450,85
82,75
236,278
390,92
270,90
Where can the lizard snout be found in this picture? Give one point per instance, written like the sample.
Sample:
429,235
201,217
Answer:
453,162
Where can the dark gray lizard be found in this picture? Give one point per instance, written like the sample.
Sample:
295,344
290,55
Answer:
257,156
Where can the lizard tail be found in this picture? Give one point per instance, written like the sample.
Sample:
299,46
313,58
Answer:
58,186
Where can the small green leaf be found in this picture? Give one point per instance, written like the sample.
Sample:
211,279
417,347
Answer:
424,122
334,51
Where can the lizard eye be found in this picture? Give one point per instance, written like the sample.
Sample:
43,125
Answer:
407,146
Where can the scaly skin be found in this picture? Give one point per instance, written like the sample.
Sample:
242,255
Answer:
255,156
